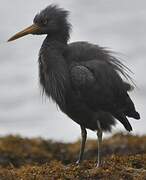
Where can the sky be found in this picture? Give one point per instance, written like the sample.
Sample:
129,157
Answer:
115,24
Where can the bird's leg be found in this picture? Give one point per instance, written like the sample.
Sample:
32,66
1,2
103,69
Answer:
99,136
83,141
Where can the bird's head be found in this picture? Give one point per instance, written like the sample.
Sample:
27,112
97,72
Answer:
52,21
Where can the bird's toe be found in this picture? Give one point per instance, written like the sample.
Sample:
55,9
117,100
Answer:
78,162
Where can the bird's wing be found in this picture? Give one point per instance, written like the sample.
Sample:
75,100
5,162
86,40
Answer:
97,82
84,51
101,88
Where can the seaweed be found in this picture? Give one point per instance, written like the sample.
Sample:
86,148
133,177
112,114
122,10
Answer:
124,157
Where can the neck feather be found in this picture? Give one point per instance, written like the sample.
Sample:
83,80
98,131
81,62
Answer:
53,71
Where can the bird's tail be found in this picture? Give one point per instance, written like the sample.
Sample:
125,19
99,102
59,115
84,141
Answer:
133,114
124,121
130,109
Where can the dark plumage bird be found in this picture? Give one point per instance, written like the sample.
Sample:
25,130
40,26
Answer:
82,78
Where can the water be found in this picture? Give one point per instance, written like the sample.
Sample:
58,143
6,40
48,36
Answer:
117,24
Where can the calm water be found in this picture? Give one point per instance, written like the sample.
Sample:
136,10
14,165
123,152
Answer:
119,25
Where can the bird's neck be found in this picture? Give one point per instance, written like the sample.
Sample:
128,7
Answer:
55,42
53,70
61,37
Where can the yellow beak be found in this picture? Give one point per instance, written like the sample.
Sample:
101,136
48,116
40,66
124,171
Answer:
29,30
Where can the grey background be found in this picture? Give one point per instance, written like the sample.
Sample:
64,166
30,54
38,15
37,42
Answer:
119,25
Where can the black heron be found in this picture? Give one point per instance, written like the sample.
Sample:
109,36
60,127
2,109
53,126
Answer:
84,79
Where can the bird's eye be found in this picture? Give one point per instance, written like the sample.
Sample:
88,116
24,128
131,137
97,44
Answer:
45,22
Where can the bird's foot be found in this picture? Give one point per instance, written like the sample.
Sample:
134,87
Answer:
99,164
78,162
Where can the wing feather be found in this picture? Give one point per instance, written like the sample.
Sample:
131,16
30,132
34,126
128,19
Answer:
102,88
